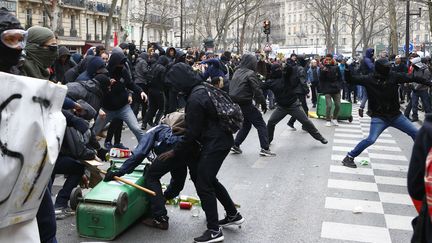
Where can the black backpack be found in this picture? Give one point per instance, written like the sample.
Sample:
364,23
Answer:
229,113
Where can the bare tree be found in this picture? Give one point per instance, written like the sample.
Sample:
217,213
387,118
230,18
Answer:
324,12
109,24
393,27
54,15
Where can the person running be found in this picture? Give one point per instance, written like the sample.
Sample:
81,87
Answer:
383,106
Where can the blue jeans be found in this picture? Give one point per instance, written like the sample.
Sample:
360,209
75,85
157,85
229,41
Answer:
424,96
126,114
364,99
378,125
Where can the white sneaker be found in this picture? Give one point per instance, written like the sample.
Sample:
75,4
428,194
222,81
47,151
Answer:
335,123
328,124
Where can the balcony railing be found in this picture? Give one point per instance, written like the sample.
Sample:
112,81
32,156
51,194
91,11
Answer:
73,32
88,37
101,7
75,3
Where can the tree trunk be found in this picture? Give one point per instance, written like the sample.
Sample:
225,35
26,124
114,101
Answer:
430,15
109,24
123,16
143,24
242,34
393,27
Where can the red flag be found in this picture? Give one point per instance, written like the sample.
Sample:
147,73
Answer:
115,39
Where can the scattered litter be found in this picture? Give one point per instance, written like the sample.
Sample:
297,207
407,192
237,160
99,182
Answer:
364,162
316,166
357,210
195,212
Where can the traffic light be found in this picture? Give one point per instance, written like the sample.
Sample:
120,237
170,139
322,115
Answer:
266,27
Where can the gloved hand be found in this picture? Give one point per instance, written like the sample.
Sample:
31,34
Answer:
109,176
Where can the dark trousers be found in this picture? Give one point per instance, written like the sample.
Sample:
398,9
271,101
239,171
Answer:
156,171
252,116
156,107
139,103
74,170
114,130
203,173
296,111
302,99
314,91
171,101
424,96
348,89
46,218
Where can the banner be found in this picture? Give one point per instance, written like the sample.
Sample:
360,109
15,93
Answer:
32,127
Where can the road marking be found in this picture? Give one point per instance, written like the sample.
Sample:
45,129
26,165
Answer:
398,222
349,126
381,140
339,157
388,157
352,185
395,198
352,204
347,135
345,141
384,148
347,170
344,149
348,130
389,167
387,180
353,232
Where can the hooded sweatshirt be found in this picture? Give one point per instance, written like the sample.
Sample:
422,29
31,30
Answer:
118,96
245,85
141,69
283,86
367,64
61,68
94,64
38,59
9,57
158,71
214,69
202,123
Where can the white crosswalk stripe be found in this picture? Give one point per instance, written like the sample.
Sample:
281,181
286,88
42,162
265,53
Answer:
384,175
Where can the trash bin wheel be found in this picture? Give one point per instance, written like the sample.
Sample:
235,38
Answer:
122,203
75,197
350,119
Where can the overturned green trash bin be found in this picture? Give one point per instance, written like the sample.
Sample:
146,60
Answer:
111,207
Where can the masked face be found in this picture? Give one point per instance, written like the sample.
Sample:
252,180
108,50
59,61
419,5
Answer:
12,42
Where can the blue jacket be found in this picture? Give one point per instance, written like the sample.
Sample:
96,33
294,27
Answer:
367,66
310,75
214,69
159,139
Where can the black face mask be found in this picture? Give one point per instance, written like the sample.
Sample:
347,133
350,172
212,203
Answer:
9,58
118,70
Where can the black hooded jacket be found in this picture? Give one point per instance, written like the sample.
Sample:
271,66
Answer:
72,74
141,69
59,68
92,91
416,174
382,91
245,85
283,86
158,71
118,96
202,124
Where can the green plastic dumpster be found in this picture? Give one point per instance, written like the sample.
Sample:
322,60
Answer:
345,112
110,207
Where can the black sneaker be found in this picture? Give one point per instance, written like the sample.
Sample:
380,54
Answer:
414,119
236,150
267,153
211,236
232,220
158,222
349,162
323,140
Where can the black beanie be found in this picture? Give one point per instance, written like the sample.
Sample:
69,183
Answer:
104,81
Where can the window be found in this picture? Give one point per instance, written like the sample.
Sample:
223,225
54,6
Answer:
343,41
312,29
289,30
72,22
289,18
300,17
417,38
95,27
426,38
44,19
102,29
87,27
29,18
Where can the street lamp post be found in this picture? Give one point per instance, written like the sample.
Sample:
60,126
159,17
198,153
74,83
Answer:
181,23
407,30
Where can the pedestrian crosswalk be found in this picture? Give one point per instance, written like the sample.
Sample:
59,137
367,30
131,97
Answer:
349,190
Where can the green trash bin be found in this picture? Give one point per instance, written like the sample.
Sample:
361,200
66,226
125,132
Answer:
110,207
345,112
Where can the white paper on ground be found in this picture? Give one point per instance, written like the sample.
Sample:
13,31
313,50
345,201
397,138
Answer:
31,132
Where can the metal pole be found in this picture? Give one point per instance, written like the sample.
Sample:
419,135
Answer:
181,23
407,30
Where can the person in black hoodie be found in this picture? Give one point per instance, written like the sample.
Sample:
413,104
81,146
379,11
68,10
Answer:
171,54
416,182
156,95
284,86
383,104
141,79
302,89
115,104
245,86
203,129
62,64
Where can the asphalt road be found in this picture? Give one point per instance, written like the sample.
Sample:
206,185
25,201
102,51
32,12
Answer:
302,194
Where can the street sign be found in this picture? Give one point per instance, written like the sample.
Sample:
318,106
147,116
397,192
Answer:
410,48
